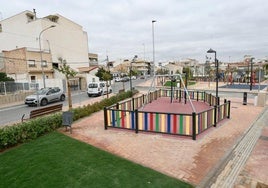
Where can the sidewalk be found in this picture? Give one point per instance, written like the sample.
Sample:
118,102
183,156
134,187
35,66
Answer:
181,157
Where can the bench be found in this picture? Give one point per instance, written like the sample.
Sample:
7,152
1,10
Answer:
121,91
43,111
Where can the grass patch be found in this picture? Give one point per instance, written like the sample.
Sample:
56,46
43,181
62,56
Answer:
56,160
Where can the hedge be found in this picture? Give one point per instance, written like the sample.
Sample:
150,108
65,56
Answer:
22,132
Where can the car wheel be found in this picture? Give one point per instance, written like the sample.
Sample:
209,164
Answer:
89,95
44,102
110,91
62,97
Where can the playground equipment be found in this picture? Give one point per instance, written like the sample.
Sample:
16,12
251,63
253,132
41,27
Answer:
173,78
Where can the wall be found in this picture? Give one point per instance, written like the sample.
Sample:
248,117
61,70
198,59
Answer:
13,98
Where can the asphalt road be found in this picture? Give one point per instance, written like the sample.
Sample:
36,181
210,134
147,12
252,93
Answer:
13,114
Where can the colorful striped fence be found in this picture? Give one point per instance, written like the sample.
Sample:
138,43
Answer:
126,115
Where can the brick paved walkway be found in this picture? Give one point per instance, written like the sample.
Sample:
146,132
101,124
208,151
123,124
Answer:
176,156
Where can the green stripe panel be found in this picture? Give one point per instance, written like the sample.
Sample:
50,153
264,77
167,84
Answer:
117,118
157,122
181,124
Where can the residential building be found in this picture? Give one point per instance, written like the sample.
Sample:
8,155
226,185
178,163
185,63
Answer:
24,65
140,66
66,40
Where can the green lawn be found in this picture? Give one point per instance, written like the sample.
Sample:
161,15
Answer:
55,160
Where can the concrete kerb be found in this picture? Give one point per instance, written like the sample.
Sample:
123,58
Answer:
216,170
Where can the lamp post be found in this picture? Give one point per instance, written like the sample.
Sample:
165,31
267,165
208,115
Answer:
217,73
41,58
153,21
251,72
130,72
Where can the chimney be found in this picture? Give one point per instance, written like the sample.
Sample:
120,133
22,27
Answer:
34,14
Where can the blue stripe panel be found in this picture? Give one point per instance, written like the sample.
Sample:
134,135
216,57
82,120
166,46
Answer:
113,118
168,123
145,121
132,120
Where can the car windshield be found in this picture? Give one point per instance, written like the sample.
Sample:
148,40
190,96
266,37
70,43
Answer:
41,92
92,85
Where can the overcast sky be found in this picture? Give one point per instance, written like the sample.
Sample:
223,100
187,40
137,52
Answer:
183,28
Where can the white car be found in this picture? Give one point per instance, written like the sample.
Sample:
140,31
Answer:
98,89
118,79
45,96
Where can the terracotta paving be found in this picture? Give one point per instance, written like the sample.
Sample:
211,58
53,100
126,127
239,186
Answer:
176,156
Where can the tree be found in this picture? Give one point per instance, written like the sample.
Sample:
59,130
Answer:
106,76
4,77
123,71
208,69
69,73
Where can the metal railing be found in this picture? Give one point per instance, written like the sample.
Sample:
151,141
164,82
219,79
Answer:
129,115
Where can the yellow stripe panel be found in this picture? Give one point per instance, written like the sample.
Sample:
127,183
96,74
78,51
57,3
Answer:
163,122
187,124
140,115
206,120
127,120
108,118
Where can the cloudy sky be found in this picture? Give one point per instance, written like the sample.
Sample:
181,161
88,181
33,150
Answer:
183,28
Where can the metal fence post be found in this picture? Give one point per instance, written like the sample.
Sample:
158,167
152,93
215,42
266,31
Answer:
105,119
185,98
136,121
215,115
194,125
197,95
133,104
229,110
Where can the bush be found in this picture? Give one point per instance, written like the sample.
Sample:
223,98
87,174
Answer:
22,132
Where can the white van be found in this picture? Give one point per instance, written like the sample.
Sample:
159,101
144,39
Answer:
98,89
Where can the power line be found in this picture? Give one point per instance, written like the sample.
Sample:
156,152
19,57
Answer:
20,59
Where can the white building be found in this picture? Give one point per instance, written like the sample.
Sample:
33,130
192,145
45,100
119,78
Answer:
66,40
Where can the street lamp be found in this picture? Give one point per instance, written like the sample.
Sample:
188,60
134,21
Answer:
153,21
217,72
130,72
41,58
251,73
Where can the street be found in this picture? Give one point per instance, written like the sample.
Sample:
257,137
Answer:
13,114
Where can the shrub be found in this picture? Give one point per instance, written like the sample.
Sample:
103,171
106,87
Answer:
22,132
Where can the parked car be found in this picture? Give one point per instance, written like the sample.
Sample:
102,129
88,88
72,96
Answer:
142,77
125,79
98,89
133,77
118,79
45,96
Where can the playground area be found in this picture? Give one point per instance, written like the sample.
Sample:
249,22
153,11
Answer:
164,105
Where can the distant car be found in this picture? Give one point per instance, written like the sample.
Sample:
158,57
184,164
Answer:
45,96
98,89
142,77
125,79
118,79
133,77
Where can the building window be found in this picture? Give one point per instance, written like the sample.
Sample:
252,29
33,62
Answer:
31,63
44,63
33,79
